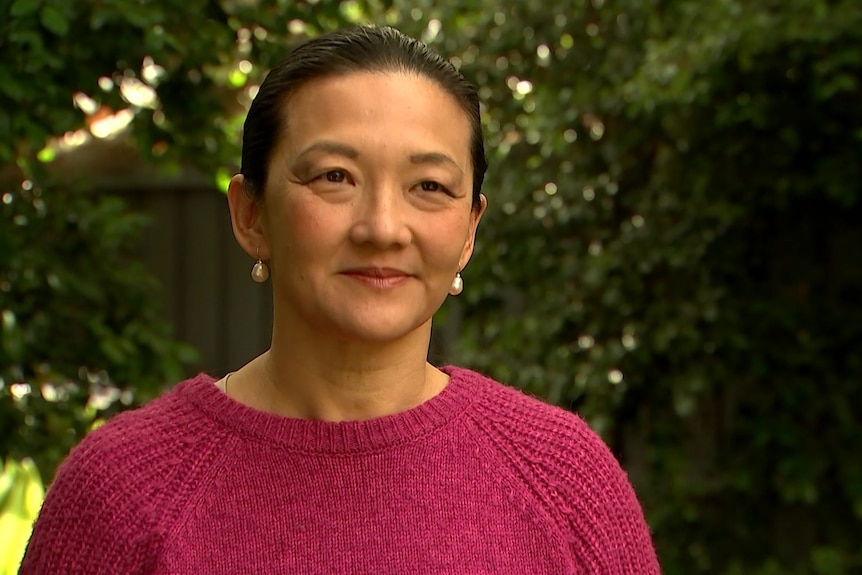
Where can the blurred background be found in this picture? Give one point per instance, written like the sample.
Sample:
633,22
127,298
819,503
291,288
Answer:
673,247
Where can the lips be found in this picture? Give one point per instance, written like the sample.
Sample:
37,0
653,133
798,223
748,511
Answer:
379,277
376,272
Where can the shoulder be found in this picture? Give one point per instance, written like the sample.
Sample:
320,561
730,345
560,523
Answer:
139,444
571,472
119,487
522,422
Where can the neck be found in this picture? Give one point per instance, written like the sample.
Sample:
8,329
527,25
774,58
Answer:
314,377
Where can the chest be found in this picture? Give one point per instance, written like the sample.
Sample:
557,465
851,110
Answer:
412,511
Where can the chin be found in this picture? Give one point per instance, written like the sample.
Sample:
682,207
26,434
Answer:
380,331
378,336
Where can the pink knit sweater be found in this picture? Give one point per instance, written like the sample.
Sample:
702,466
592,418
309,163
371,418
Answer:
480,479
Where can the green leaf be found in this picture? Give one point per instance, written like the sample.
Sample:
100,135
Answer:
24,7
10,85
54,20
18,509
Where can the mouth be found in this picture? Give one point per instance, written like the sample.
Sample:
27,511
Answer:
379,277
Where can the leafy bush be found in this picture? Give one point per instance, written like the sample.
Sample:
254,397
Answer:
81,337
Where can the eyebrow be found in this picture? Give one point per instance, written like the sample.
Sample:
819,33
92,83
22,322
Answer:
435,158
331,148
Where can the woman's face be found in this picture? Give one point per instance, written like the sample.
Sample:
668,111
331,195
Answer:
367,214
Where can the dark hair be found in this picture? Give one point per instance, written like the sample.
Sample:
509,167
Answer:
360,49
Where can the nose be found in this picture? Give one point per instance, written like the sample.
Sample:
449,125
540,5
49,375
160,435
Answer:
381,218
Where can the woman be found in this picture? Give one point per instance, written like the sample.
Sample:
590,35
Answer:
341,449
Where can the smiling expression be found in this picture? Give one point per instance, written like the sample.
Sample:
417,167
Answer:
367,212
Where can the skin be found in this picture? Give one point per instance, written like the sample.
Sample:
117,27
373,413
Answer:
366,218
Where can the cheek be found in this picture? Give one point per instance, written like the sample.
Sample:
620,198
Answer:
303,230
444,241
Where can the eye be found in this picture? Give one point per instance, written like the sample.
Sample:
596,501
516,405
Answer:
430,186
335,176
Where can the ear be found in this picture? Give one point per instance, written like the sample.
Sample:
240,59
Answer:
245,219
475,217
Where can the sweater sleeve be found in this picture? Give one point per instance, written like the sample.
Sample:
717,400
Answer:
602,510
569,472
93,520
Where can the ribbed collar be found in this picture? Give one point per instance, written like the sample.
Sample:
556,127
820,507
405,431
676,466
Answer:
328,437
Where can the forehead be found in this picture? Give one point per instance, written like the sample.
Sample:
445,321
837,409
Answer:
390,109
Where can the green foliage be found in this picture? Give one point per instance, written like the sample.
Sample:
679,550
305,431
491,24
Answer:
188,51
80,335
21,494
670,248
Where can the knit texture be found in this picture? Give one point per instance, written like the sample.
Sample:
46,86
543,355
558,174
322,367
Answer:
480,479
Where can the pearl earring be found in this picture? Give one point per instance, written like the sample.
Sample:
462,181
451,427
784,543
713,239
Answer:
457,285
259,271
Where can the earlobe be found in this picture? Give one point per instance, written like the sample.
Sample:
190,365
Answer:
245,218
